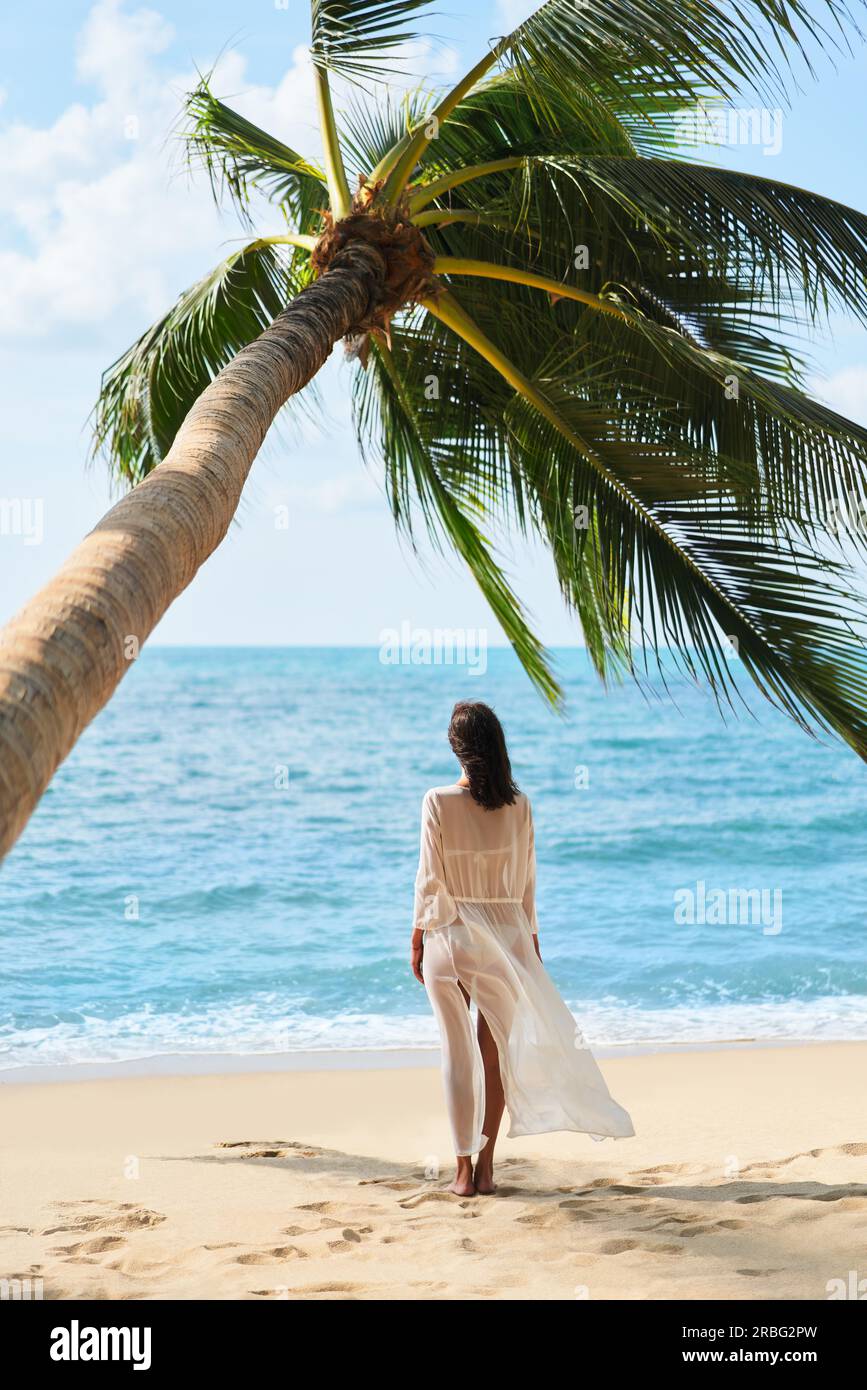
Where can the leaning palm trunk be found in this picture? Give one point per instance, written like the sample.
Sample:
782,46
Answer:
64,653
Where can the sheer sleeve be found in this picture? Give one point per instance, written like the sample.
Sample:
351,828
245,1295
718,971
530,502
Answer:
529,899
434,906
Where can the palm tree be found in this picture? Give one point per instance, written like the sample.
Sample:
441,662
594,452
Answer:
560,325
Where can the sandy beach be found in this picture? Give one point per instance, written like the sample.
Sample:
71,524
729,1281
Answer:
746,1180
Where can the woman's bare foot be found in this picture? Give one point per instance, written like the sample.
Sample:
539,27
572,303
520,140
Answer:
463,1185
483,1179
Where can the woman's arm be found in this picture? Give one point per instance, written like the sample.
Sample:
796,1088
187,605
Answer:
529,898
416,954
434,907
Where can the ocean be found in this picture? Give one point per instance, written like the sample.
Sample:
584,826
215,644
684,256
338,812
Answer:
225,864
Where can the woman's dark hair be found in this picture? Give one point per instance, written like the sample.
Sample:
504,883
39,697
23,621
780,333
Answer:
478,742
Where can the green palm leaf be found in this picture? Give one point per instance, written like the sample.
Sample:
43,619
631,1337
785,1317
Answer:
684,49
146,394
350,36
431,475
238,157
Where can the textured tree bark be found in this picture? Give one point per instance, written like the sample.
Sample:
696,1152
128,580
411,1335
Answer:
64,653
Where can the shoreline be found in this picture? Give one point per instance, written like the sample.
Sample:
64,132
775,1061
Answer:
362,1059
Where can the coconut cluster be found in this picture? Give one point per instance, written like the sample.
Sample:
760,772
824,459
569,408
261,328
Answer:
408,260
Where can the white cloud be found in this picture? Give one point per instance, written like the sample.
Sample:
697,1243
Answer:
846,392
115,47
105,219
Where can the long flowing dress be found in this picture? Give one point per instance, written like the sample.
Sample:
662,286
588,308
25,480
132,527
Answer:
475,901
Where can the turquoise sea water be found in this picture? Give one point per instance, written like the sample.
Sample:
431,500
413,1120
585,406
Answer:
226,861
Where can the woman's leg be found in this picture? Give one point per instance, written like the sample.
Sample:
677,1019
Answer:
495,1103
462,1067
495,1008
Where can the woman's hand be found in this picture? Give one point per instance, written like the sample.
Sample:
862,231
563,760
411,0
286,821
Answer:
416,954
536,945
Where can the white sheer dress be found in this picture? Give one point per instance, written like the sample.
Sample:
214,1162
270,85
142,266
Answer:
475,902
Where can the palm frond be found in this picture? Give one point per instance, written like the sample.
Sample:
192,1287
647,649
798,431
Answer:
428,476
782,244
687,230
724,46
239,158
782,455
146,394
351,37
615,53
369,129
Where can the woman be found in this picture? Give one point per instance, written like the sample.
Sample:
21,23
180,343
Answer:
476,939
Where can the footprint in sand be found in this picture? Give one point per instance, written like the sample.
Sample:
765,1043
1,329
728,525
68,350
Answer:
245,1143
673,1219
579,1212
678,1169
122,1216
352,1237
438,1195
769,1166
394,1184
90,1247
536,1218
269,1148
270,1257
618,1247
144,1269
309,1291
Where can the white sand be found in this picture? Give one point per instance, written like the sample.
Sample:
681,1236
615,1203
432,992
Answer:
746,1179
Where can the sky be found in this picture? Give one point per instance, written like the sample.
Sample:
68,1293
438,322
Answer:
101,228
